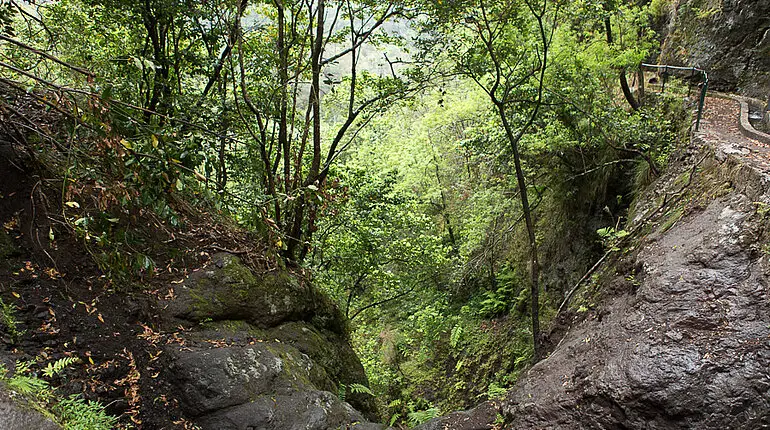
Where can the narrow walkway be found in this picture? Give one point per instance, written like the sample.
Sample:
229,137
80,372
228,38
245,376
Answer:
719,127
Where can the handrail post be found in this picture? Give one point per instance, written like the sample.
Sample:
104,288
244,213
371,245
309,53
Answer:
702,100
689,83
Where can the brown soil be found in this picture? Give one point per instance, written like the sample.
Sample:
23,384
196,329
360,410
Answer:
66,305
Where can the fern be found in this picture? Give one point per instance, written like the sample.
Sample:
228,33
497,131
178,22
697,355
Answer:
76,413
8,319
23,384
22,367
456,336
58,366
495,391
72,413
360,389
418,417
28,386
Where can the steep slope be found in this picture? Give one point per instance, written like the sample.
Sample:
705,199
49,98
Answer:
680,337
207,331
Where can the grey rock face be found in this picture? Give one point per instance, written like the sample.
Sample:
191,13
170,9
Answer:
686,344
14,416
219,378
691,349
266,353
729,39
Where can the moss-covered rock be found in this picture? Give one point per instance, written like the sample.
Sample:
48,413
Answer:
727,38
260,337
228,290
333,354
325,348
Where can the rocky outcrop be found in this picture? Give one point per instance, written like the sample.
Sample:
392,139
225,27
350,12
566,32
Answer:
682,337
728,38
265,352
228,290
16,416
299,410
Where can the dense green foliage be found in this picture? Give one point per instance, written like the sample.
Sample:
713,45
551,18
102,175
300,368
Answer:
72,413
433,184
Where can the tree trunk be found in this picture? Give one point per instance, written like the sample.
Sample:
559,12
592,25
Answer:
623,81
283,78
157,25
444,211
296,238
527,212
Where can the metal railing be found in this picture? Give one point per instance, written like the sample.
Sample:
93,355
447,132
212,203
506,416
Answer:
693,70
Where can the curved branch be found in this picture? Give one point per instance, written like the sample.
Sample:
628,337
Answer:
382,302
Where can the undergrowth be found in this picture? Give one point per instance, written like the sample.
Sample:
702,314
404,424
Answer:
72,412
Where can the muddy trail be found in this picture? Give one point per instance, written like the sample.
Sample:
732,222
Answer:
676,330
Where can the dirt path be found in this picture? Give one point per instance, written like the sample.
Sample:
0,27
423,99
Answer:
719,128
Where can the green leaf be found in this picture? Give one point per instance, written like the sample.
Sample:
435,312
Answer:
362,389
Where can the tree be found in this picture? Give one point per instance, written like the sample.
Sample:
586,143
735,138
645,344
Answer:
607,7
378,247
286,111
503,47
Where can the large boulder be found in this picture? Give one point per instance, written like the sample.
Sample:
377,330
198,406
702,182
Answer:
263,352
228,290
210,379
306,410
333,358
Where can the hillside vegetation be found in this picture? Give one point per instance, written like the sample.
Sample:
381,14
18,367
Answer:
247,214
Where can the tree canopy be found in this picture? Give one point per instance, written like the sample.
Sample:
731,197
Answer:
437,167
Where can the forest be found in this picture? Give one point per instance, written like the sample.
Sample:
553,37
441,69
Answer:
445,172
